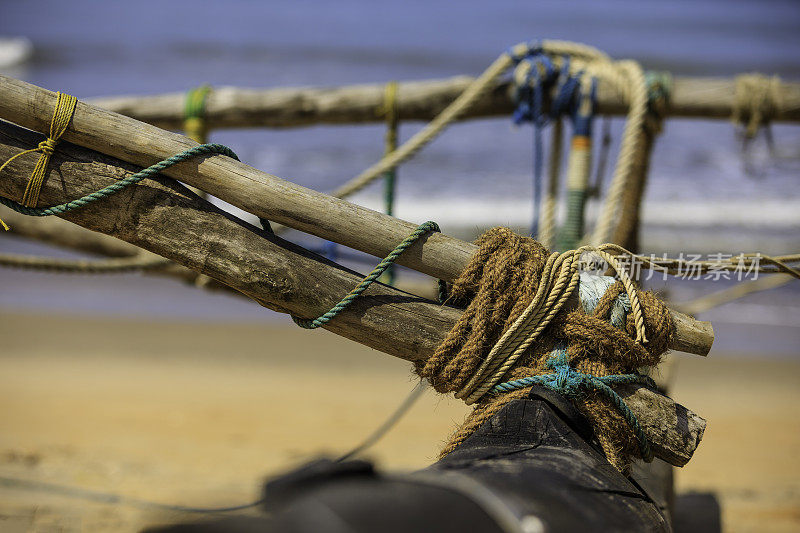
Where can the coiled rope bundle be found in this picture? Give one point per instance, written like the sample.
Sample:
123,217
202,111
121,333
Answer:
516,325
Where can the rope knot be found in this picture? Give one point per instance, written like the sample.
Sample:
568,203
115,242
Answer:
47,146
757,101
517,327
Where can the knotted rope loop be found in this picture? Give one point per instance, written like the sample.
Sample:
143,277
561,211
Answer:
757,101
62,115
47,146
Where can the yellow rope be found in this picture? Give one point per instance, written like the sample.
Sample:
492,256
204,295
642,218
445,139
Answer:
547,214
62,115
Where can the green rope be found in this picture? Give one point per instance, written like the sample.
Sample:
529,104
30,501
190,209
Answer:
422,229
194,114
149,172
571,383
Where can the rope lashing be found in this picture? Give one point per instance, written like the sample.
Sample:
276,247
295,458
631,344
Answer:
80,266
533,75
390,111
757,101
62,116
579,165
557,283
333,312
194,114
572,383
659,91
515,293
626,77
149,172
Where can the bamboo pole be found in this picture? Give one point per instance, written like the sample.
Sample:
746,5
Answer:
165,218
232,107
268,196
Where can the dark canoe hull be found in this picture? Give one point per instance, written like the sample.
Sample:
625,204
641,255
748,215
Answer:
533,467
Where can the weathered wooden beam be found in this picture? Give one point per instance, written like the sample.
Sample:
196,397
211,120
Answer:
64,234
265,195
164,217
232,107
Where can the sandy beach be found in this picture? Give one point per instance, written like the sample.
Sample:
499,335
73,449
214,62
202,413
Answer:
199,414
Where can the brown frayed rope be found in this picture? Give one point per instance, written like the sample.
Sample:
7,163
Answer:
498,286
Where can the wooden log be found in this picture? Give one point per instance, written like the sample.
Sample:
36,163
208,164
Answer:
64,234
164,217
232,107
59,232
265,195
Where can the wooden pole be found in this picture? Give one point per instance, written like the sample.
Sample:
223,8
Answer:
268,196
59,232
232,107
165,218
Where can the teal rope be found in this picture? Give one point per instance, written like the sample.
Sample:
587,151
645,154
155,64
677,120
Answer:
571,383
422,229
148,172
659,89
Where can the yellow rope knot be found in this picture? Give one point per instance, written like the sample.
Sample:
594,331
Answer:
47,146
62,115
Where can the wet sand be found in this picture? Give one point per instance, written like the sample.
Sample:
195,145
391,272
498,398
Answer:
198,414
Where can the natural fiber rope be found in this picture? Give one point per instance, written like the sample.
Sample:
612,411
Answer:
83,266
516,294
547,218
451,113
458,107
757,100
627,75
556,286
62,115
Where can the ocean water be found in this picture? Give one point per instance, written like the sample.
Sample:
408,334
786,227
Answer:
705,193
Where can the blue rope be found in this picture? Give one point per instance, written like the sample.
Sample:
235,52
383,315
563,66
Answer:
529,97
149,172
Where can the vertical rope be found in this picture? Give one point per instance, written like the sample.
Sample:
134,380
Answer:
389,110
630,78
547,213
